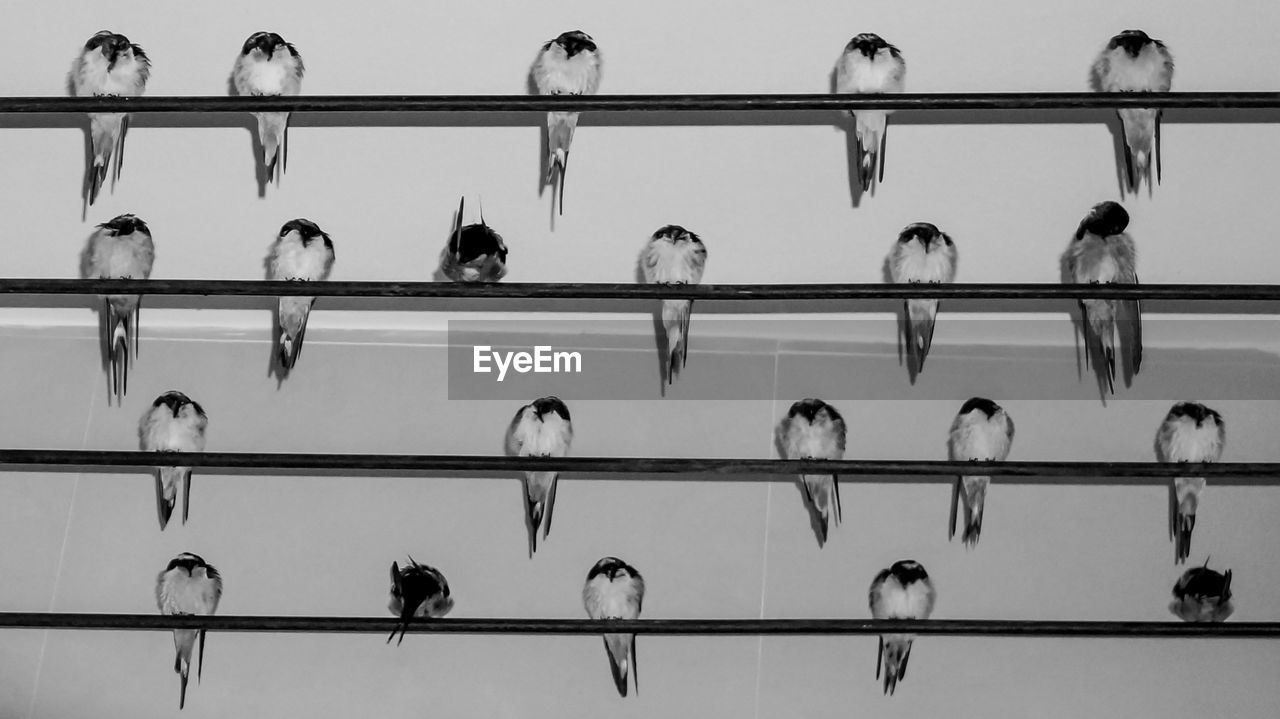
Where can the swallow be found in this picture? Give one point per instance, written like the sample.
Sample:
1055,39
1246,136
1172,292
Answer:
982,432
674,256
903,591
188,585
475,253
814,429
1102,253
120,249
302,252
869,65
923,253
173,423
540,429
1202,595
615,590
1134,62
268,65
1191,432
109,65
417,591
567,65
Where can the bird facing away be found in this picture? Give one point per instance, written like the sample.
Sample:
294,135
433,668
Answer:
903,591
615,590
267,65
814,429
417,591
1202,595
475,253
120,249
302,252
923,253
541,428
1134,62
188,585
1191,432
109,65
869,65
982,432
173,423
674,256
568,65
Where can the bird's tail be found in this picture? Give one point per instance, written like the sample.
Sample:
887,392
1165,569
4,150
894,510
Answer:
106,134
871,127
675,318
1187,493
273,131
293,315
539,502
120,337
1139,141
621,648
974,492
560,127
167,479
1100,339
895,649
921,316
824,498
184,641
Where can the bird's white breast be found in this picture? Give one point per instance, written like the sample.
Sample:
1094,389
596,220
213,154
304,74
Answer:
1101,260
278,76
897,602
558,74
979,437
93,77
611,600
1146,73
805,440
912,263
181,593
857,73
668,262
120,256
1185,442
548,437
292,260
166,433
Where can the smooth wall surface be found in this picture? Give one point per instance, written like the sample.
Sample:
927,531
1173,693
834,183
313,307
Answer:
770,195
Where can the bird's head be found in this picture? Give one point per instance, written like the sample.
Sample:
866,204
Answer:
869,43
676,234
113,46
1105,219
190,563
908,571
1132,41
927,234
265,42
987,407
574,42
1194,411
613,568
813,411
548,405
175,401
307,230
125,225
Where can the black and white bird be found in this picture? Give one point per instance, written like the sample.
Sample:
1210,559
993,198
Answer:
567,65
674,256
268,65
814,429
922,254
1191,432
1134,62
1103,253
188,585
1202,595
869,65
982,432
302,252
903,591
615,590
109,65
173,423
120,249
475,253
541,428
417,591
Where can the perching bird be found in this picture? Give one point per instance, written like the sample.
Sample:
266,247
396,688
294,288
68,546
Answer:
1202,595
567,65
270,66
615,590
982,432
417,591
674,256
540,429
1102,253
1134,62
120,249
173,423
814,429
869,65
902,591
475,253
109,65
189,585
302,252
923,253
1191,432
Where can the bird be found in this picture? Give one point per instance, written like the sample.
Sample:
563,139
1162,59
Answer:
568,65
109,65
869,65
120,249
475,253
1102,253
302,252
1135,62
615,590
541,428
674,256
1191,432
1202,595
417,591
923,253
173,423
903,591
814,429
188,585
268,65
982,432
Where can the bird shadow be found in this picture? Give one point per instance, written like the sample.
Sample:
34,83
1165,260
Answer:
262,174
844,122
780,446
659,331
904,323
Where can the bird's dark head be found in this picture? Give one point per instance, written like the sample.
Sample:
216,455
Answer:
811,409
1203,583
1194,411
125,225
926,233
574,42
612,567
479,239
190,562
175,401
267,42
111,45
988,407
548,405
307,230
676,234
1105,219
908,571
1132,41
869,43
